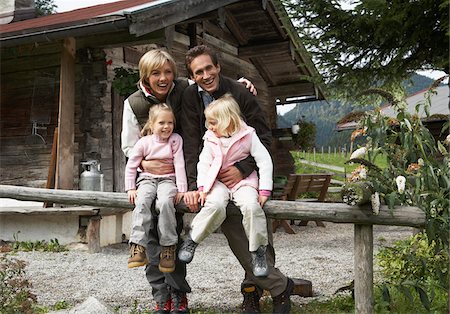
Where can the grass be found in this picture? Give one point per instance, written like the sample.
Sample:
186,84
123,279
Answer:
338,160
341,304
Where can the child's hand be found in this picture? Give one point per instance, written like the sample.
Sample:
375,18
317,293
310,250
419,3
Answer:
132,194
262,200
178,197
202,198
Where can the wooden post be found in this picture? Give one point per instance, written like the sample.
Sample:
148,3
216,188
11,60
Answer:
66,138
52,167
93,234
363,268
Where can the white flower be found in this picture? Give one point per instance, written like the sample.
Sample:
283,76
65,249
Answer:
400,180
375,200
421,162
447,140
358,153
363,173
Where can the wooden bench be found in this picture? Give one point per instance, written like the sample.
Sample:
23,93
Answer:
93,215
296,185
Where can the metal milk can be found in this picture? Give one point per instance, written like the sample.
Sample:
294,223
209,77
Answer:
91,179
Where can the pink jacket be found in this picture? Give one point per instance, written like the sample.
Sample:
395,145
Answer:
153,147
242,144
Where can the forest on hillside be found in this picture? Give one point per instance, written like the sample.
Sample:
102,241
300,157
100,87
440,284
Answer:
325,114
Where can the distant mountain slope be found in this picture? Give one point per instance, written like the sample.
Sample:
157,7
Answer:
325,114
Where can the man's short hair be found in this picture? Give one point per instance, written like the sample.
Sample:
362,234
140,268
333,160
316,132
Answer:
197,51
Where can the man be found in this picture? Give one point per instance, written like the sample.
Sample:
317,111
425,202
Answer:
203,67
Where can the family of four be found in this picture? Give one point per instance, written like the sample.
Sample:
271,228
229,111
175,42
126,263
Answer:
206,143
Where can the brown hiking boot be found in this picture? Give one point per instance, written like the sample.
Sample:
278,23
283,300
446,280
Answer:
250,305
137,256
167,259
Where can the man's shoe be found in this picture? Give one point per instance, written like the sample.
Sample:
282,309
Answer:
179,302
282,302
137,256
163,307
250,304
167,259
259,262
187,250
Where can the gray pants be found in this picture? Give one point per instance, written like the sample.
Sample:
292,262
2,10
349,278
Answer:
234,231
155,225
162,283
164,191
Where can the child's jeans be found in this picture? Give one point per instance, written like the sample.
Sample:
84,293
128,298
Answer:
214,213
164,190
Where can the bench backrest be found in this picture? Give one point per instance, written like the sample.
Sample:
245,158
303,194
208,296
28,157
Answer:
302,183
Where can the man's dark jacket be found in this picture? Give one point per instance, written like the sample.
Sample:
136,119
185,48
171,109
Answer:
193,124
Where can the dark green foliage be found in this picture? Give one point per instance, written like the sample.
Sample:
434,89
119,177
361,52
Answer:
125,81
374,43
45,7
305,138
416,268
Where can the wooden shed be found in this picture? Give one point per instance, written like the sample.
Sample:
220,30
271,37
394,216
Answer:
56,73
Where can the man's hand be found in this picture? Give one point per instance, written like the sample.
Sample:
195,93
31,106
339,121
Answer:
178,197
202,198
230,176
132,194
191,200
158,166
249,85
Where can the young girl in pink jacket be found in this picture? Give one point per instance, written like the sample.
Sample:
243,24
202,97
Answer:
158,143
227,141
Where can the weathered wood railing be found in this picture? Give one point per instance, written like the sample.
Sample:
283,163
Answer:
361,217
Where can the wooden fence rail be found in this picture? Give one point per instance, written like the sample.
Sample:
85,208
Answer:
361,217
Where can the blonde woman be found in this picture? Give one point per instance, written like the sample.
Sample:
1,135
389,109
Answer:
227,141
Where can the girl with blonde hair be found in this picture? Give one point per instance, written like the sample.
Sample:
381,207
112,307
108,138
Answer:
229,140
158,143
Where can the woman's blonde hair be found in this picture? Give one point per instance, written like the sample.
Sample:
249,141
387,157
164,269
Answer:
153,60
227,113
153,113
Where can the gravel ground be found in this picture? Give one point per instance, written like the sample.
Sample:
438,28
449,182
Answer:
322,255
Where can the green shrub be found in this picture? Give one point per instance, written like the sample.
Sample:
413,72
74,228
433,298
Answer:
414,267
15,295
42,246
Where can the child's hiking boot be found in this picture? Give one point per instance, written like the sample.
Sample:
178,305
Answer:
282,302
259,262
179,302
137,256
167,259
187,250
163,307
250,305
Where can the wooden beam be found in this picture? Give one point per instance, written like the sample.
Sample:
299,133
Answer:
235,28
276,20
332,212
65,150
265,49
263,71
170,14
303,88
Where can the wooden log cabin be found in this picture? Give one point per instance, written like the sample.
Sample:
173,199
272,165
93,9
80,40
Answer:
56,73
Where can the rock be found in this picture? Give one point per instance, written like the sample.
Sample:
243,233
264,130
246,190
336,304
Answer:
90,306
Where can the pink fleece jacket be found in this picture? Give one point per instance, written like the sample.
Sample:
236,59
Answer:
154,147
241,144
